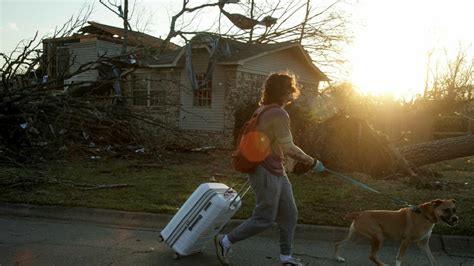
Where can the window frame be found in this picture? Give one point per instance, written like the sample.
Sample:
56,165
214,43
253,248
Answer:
202,97
148,91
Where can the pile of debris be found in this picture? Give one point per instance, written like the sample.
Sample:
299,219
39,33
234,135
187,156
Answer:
38,123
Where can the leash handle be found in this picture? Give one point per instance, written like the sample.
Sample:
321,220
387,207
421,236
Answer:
365,186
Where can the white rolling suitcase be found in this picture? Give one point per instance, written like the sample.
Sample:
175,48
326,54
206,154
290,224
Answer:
201,217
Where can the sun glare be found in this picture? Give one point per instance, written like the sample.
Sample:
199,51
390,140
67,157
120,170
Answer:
389,52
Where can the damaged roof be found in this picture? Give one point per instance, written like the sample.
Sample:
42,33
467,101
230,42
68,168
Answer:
135,38
230,52
240,51
114,34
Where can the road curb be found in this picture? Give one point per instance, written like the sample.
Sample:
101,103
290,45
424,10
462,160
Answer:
92,215
451,245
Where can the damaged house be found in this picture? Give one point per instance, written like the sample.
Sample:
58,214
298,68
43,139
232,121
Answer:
200,87
92,44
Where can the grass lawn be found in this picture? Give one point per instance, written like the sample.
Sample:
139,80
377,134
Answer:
162,185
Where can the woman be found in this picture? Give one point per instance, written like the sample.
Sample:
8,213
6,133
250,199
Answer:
273,191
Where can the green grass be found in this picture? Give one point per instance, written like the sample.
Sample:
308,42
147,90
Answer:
161,186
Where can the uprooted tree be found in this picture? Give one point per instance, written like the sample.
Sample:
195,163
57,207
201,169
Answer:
351,141
350,144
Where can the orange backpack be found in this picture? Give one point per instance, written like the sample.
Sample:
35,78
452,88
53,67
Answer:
252,146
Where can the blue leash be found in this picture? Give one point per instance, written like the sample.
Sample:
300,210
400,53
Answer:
365,186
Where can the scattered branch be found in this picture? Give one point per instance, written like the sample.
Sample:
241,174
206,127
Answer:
35,178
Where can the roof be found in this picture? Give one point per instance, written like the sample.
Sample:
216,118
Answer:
232,52
165,59
114,34
135,38
240,51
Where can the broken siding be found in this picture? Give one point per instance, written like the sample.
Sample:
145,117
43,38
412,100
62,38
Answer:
208,118
82,53
289,59
108,49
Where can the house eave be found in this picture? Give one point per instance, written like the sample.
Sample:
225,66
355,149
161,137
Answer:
243,60
231,63
289,46
310,62
161,66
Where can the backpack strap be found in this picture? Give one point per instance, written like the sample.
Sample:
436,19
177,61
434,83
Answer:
259,113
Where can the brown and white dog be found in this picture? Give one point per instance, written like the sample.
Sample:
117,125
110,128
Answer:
407,225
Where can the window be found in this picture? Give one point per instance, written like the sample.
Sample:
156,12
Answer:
147,91
203,95
157,98
139,90
156,92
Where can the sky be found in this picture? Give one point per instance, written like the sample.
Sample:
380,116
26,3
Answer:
387,55
393,38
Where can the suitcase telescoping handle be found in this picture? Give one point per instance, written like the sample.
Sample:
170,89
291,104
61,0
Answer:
242,191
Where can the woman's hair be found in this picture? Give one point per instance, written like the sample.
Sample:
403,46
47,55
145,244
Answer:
277,87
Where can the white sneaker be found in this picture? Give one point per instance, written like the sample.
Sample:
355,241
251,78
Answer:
292,261
221,251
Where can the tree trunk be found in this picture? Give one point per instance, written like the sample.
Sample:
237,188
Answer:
125,28
349,144
439,150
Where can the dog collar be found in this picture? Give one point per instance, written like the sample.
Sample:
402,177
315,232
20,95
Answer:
417,210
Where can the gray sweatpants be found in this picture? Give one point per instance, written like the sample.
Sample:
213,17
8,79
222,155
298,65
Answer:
274,202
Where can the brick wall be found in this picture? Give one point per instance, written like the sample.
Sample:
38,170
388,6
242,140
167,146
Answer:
241,89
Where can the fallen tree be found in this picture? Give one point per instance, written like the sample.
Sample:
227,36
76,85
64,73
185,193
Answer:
348,144
438,150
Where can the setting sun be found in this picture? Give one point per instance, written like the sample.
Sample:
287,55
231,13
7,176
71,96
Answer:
389,52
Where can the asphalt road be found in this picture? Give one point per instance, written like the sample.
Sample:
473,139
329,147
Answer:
113,238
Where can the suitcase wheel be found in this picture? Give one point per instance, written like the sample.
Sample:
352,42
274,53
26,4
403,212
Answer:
161,239
176,256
